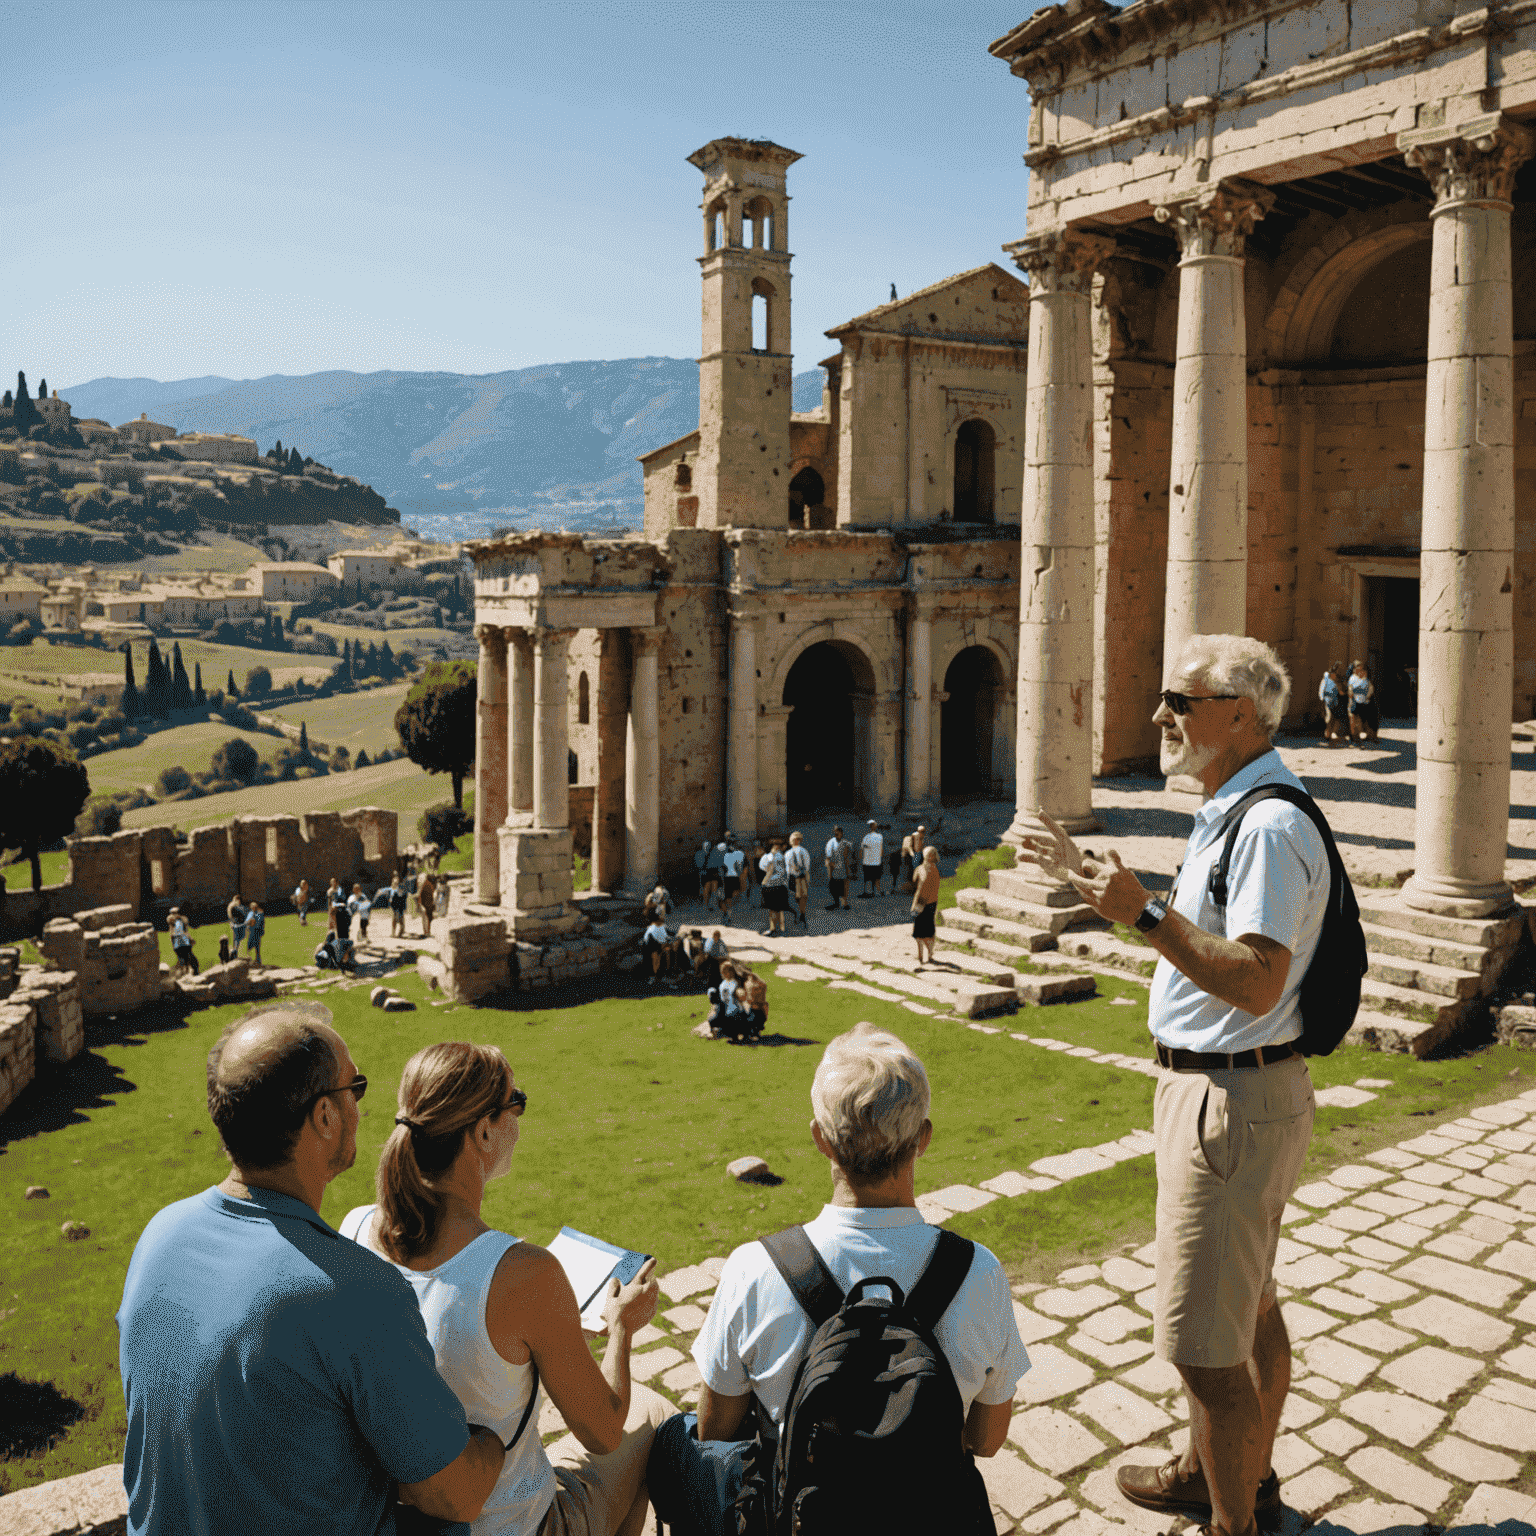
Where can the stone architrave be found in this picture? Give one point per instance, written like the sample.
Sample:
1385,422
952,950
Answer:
1053,745
1207,592
1466,562
520,728
490,760
642,764
741,766
551,774
916,795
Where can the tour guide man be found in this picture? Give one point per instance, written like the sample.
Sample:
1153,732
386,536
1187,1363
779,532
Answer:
1233,1108
279,1378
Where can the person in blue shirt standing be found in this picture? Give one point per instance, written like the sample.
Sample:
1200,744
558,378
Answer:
255,926
1363,721
279,1378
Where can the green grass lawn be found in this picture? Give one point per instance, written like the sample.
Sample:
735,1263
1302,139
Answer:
189,746
630,1124
357,721
55,867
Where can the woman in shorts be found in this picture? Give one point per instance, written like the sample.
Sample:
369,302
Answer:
925,904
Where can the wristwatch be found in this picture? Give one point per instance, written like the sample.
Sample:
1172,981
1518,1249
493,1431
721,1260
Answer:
1151,915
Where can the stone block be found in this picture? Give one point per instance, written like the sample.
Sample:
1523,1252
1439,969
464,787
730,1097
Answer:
1337,1437
1300,1411
681,1378
1315,1490
1112,1355
1130,1419
1127,1275
1032,1326
93,1503
1015,1486
1292,1454
683,1283
1052,1374
1058,1301
1377,1335
1113,1324
1497,1423
1396,1415
1475,1285
1316,1269
1471,1463
653,1362
1389,1473
1338,1362
1377,1288
1303,1322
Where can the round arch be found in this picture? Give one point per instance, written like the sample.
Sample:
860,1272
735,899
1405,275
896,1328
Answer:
867,670
828,700
973,684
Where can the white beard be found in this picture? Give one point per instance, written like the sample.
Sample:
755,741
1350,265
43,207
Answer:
1180,757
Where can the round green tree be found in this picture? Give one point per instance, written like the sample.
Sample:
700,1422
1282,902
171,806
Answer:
437,722
43,785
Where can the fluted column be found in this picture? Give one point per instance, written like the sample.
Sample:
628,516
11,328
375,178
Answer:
520,728
741,769
916,790
1053,740
551,775
642,764
608,831
1207,590
1466,560
490,760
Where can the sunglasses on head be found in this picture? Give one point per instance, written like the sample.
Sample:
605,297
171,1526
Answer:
1183,703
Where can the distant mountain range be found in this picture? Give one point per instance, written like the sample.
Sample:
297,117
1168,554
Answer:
457,453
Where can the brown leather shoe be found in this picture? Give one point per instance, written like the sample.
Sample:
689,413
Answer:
1167,1490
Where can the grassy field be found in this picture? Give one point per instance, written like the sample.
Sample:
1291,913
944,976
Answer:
213,552
55,867
418,641
357,721
43,660
191,746
630,1123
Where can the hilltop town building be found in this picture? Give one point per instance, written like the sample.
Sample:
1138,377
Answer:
144,432
215,447
372,567
292,581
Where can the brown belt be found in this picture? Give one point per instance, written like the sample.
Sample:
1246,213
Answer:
1220,1061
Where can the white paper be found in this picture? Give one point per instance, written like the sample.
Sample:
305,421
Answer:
588,1269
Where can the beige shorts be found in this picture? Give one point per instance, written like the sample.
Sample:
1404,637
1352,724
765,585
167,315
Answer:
594,1493
1230,1145
802,886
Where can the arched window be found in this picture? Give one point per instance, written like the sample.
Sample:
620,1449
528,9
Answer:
806,490
757,224
975,451
763,338
684,477
714,227
583,701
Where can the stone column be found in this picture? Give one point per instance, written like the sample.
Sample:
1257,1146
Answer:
551,781
642,764
741,767
1466,648
1207,590
608,834
1053,739
490,760
520,728
917,702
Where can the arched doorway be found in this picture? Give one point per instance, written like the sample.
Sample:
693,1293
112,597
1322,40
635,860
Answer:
806,490
975,453
965,724
830,689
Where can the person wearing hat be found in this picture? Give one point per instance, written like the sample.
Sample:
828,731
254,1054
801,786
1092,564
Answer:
872,851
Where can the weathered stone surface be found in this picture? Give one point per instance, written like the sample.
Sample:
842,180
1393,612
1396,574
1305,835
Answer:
1053,1374
36,1192
1471,1463
1396,1415
683,1283
1501,1509
1377,1335
1015,1486
1475,1285
748,1167
1493,1422
1338,1362
1434,1374
91,1503
1060,1302
1390,1473
1316,1489
1033,1327
645,1366
1335,1436
1292,1454
1128,1418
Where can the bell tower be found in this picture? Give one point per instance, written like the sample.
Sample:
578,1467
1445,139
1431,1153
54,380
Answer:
745,370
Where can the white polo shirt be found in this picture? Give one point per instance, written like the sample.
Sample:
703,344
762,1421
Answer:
873,848
756,1332
1277,885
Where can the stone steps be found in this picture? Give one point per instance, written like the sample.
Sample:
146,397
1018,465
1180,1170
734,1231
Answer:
992,949
1403,944
977,967
1030,914
1079,963
1410,1003
969,995
1020,937
1422,976
1109,951
1384,1031
1500,930
1016,885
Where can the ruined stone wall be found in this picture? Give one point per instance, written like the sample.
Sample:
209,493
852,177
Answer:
116,959
18,1064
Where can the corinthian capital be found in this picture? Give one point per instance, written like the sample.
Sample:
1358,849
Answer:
492,637
1474,162
1216,220
1060,260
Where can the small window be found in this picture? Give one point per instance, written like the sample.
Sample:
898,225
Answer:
583,701
684,477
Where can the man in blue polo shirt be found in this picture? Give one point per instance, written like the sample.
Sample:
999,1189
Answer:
1234,1107
278,1378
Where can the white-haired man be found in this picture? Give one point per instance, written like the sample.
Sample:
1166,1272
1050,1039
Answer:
1234,1108
870,1100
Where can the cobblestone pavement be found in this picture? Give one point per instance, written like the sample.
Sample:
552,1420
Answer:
1408,1283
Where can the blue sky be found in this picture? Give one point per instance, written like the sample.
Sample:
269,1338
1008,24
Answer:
227,187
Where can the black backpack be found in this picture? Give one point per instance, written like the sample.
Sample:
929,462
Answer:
873,1435
1330,991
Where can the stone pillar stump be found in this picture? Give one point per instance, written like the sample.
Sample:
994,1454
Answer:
608,835
917,760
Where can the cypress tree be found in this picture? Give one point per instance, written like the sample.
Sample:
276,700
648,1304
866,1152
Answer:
387,667
372,668
229,686
277,631
199,698
181,688
157,684
132,707
304,737
295,462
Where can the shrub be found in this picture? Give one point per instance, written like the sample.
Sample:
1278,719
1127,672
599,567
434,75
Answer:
240,717
81,734
258,682
101,817
111,721
81,712
341,760
173,780
444,825
236,760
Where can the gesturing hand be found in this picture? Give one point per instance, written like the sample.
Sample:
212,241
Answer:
1052,852
1111,889
635,1304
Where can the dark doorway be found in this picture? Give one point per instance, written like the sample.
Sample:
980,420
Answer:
965,724
819,734
975,447
806,490
1392,643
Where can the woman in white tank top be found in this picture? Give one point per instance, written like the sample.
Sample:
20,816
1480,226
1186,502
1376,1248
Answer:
500,1313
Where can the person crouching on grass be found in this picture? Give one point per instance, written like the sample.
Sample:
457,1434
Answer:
499,1312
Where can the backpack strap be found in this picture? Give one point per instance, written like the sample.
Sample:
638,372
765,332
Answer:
794,1256
940,1282
1292,796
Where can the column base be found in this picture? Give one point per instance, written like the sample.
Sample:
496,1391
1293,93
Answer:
520,820
536,883
1455,898
1026,823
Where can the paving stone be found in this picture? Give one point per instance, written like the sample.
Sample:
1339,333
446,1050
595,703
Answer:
1463,1326
1521,1361
1429,1217
1292,1454
1302,1321
1321,1233
1146,1254
1475,1285
1355,1218
1390,1473
1060,1302
1471,1463
1033,1327
1156,1377
1342,1097
1299,1412
961,1197
1071,1165
1485,1418
1317,1386
1315,1269
932,1212
1498,1508
1394,1414
1512,1177
1129,1418
1127,1275
1370,1247
1526,1311
1388,1205
1052,1515
1466,1157
1287,1251
1320,1195
1502,1390
1524,1199
653,1362
1293,1213
1364,1515
1341,1301
1316,1489
1079,1274
1476,1184
1431,1373
1336,1436
1430,1145
1377,1288
1451,1246
1014,1485
1511,1141
1374,1082
681,1377
1404,1233
1053,1373
1009,1185
1429,1175
687,1318
1517,1258
1099,1487
1111,1355
1393,1157
683,1283
1357,1176
1338,1362
1113,1323
551,1422
1377,1335
1053,1439
1147,1300
1507,1113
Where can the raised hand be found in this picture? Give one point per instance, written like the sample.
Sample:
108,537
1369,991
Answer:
1052,852
635,1304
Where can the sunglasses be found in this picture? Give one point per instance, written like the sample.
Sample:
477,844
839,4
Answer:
357,1088
517,1103
1183,703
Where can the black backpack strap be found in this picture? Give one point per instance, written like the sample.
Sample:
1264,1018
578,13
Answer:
522,1423
939,1283
1292,796
795,1257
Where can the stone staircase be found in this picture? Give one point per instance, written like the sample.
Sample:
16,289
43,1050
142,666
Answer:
1429,975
